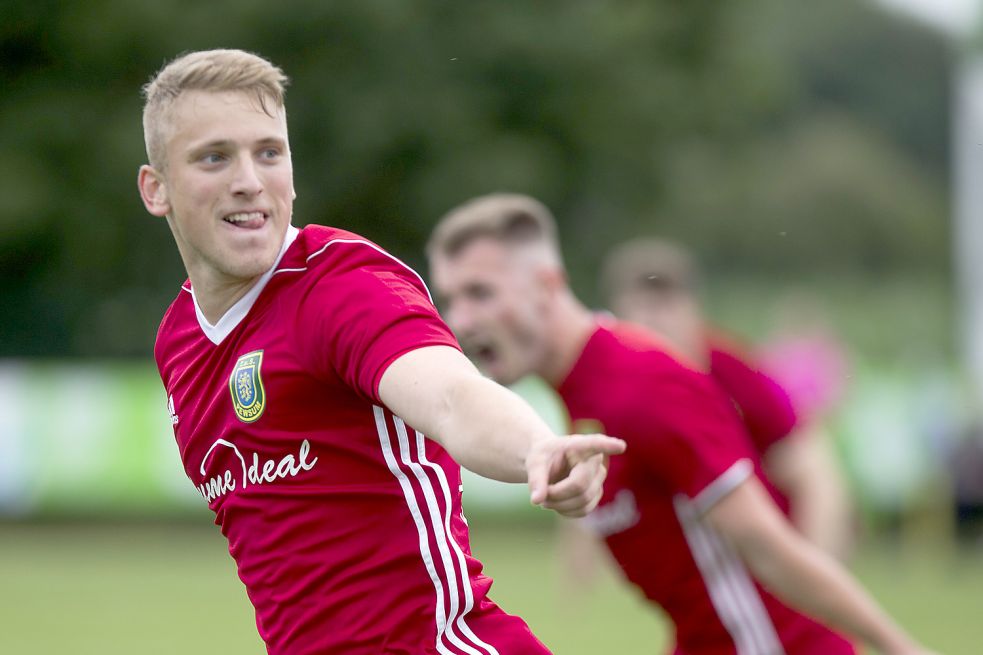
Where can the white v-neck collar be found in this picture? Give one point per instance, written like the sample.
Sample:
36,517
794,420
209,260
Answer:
217,333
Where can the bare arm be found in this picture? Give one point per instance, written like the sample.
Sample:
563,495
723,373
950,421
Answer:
804,467
799,573
491,431
583,558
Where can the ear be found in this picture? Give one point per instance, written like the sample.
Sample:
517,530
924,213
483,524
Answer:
153,191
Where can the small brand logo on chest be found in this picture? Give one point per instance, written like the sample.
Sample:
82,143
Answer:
246,386
171,410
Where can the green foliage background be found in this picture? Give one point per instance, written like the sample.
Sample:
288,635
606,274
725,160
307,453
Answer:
783,141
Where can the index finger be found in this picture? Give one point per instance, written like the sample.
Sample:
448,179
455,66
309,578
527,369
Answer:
582,446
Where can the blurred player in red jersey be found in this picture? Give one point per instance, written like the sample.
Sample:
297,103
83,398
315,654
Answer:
655,283
295,363
686,512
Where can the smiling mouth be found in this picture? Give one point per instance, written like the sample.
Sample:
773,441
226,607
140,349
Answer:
248,220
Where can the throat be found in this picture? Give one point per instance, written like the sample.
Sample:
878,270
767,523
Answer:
214,301
570,335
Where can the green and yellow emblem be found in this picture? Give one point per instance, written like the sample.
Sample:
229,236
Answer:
246,385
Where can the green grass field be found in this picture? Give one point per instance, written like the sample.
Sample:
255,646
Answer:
172,589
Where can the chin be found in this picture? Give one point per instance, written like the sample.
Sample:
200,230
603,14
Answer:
252,268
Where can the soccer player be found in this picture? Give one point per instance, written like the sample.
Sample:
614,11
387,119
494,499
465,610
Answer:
295,363
655,283
686,511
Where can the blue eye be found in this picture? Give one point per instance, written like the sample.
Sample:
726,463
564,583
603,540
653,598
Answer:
212,158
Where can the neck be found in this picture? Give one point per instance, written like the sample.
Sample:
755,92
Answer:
570,325
216,297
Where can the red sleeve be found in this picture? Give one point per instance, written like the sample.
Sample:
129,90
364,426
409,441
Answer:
765,407
361,316
691,439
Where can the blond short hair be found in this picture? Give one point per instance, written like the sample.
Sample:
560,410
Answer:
510,218
651,265
206,70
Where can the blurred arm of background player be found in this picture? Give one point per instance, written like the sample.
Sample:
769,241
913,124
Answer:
804,467
806,358
489,430
801,574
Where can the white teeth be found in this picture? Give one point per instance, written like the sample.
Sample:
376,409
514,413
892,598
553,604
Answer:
242,217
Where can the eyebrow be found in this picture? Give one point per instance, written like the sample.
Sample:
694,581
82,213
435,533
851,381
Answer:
221,144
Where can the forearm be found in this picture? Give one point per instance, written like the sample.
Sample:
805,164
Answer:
809,580
801,574
804,467
582,556
485,427
821,512
492,429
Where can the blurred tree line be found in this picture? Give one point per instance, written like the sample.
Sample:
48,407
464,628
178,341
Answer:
778,139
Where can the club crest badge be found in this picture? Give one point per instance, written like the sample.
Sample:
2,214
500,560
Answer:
246,385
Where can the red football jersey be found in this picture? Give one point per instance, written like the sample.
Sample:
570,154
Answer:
686,450
765,407
344,522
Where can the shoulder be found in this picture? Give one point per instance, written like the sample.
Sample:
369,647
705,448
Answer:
326,252
728,352
649,377
317,246
735,368
644,356
177,320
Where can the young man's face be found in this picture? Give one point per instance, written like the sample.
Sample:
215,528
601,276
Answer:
494,303
228,185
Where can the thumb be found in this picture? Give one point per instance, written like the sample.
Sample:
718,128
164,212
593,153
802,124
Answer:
537,474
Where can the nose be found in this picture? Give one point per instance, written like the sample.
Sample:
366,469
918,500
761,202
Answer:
246,180
459,318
